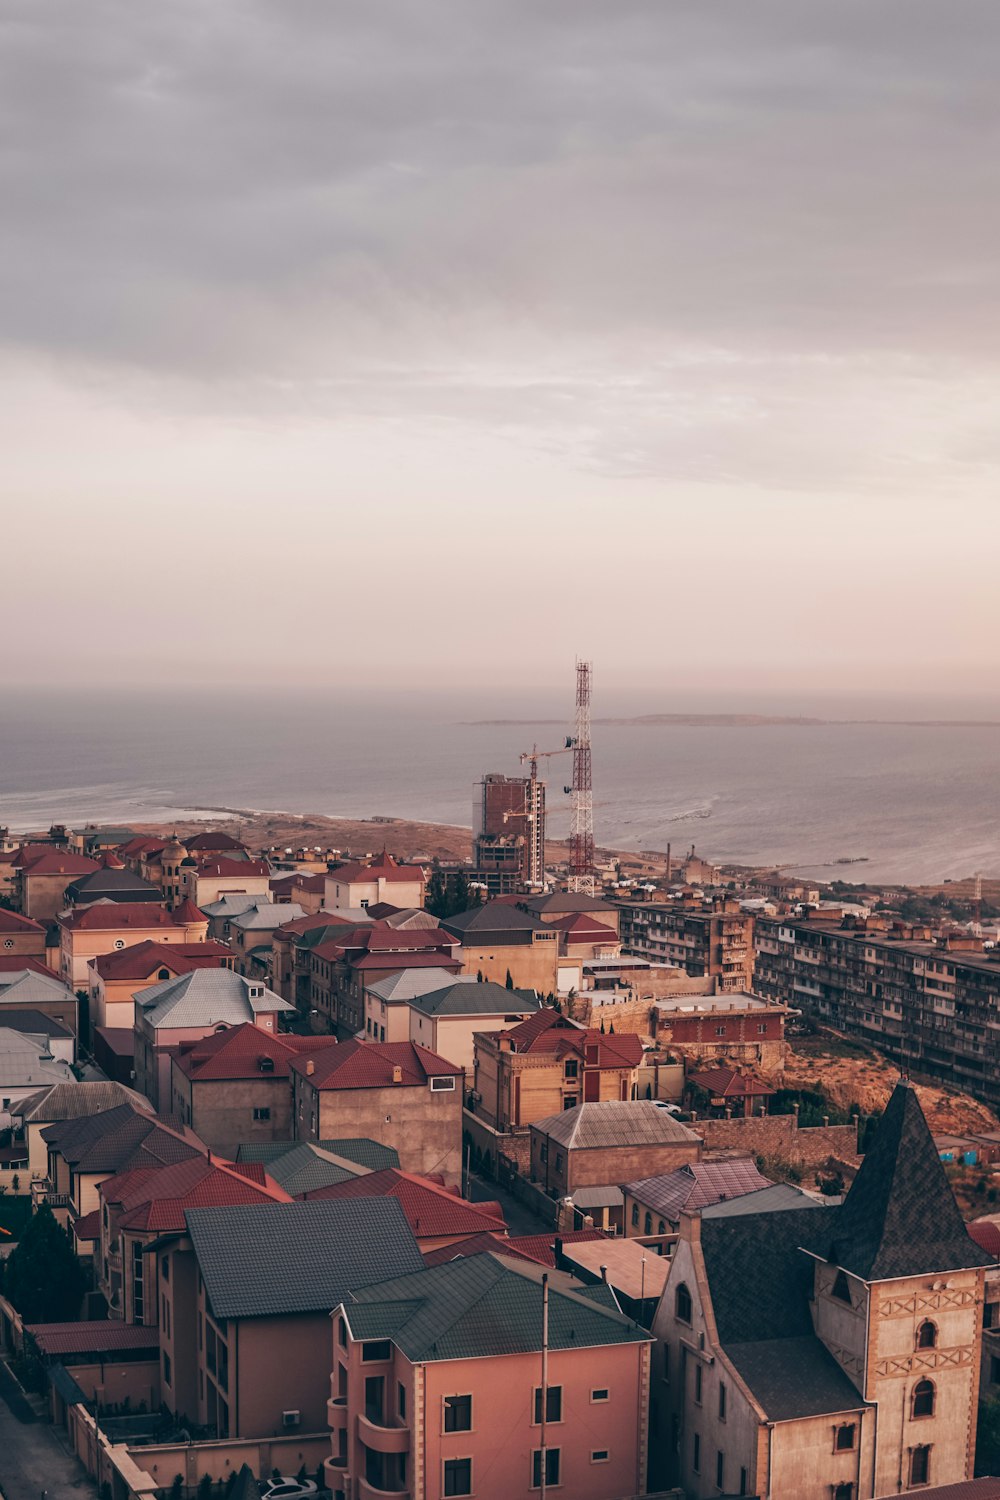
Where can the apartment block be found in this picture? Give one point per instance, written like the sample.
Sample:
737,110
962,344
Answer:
708,940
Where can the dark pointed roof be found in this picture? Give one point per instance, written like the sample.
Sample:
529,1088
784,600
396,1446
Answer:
246,1486
900,1217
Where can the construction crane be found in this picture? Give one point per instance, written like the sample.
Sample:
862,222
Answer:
534,755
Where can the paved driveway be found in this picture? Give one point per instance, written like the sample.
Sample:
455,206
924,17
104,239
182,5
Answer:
32,1459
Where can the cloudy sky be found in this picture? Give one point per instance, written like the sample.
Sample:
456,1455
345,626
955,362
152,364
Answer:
433,343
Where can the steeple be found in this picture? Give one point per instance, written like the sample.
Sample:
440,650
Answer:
900,1217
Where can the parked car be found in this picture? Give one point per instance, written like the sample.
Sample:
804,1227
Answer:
284,1488
671,1109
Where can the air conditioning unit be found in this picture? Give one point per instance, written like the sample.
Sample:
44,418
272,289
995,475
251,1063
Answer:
291,1418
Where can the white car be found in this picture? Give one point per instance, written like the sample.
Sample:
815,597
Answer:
671,1109
284,1488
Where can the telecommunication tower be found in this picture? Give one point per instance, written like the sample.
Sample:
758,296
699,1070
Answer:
581,842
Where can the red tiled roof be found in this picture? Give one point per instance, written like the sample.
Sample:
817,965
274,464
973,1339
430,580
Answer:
581,928
137,846
319,919
10,963
155,1199
107,915
369,1065
119,1040
430,1210
88,1226
88,1338
987,1235
382,868
393,961
141,959
237,1053
187,913
548,1031
728,1083
614,1050
211,841
233,867
533,1030
12,921
58,862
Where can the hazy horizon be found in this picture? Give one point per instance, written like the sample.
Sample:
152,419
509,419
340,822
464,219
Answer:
385,350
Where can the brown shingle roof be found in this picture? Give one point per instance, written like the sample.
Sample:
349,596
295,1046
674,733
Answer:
371,1065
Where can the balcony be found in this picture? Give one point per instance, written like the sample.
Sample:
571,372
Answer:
368,1491
336,1414
383,1439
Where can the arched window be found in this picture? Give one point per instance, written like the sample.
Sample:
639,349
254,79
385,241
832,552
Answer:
682,1304
648,1224
662,1229
163,974
923,1399
845,1437
920,1465
927,1335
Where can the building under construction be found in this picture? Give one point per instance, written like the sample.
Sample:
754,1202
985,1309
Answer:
508,832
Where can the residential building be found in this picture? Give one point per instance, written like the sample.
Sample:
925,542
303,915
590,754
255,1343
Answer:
439,1217
547,1064
387,1001
21,937
233,1086
558,905
292,944
247,1292
708,939
83,1152
38,989
499,939
825,1351
110,926
364,885
57,1038
301,1166
42,876
395,1092
933,1005
304,889
207,879
249,934
597,1144
654,1205
440,1386
449,1019
27,1064
344,965
67,1101
508,833
112,881
725,1092
190,1007
734,1027
115,978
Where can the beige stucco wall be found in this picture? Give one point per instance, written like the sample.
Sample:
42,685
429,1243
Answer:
532,966
452,1036
425,1126
221,1111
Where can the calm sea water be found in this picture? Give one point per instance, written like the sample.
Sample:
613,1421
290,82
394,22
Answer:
920,803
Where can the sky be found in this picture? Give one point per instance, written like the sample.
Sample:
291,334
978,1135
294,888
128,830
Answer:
417,346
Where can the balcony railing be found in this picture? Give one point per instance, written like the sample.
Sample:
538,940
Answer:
383,1439
336,1413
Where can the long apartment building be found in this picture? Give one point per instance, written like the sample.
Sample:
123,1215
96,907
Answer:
931,1004
707,939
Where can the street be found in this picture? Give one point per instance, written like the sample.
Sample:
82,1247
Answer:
32,1459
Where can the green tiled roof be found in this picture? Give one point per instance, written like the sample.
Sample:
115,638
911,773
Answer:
486,1304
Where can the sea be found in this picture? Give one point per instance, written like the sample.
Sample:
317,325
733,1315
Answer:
910,801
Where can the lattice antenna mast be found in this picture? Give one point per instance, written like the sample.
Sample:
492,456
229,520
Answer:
581,842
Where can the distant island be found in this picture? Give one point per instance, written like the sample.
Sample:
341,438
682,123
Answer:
745,721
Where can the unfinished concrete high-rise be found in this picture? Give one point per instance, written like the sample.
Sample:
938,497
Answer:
508,832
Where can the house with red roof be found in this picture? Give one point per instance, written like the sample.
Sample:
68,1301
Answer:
731,1092
439,1216
234,1087
207,878
114,978
111,926
348,962
395,1092
381,879
21,937
42,876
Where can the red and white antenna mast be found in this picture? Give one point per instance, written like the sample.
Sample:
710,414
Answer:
581,841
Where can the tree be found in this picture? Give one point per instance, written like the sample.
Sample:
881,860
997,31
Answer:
459,894
509,981
43,1277
437,895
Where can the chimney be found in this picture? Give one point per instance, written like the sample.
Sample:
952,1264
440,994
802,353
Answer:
397,1073
604,1275
310,1068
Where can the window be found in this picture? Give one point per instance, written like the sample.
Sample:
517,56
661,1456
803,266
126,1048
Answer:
559,1161
599,1395
720,1470
662,1229
923,1399
262,1114
743,1481
697,1384
400,1400
166,1368
600,1456
843,1492
920,1465
720,1031
840,1289
342,1332
553,1404
648,1224
844,1439
696,1454
458,1476
572,1068
761,1031
570,1101
458,1413
373,1352
635,1216
722,1402
927,1335
682,1303
442,1085
990,1314
165,1267
375,1399
552,1456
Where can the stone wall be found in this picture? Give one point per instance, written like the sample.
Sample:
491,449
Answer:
780,1135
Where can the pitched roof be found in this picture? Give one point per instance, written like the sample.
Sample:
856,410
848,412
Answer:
372,1065
265,916
900,1217
635,1122
695,1185
986,1233
122,1137
531,1033
760,1280
488,999
27,987
474,1306
494,916
90,1338
233,867
187,913
88,1226
579,927
359,1151
406,984
729,1083
57,862
244,1051
301,1166
266,1259
208,997
795,1377
74,1101
115,883
25,1061
384,867
23,963
139,960
430,1209
212,841
160,1201
12,921
405,960
566,901
107,915
33,1021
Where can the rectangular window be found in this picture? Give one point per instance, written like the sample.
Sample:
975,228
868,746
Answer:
378,1350
375,1399
720,1031
442,1085
600,1456
166,1368
458,1413
720,1470
559,1161
552,1457
553,1404
599,1395
722,1402
165,1267
697,1384
262,1114
458,1476
572,1067
743,1481
696,1454
401,1400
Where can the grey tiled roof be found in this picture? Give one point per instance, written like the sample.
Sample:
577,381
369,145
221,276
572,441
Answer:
26,987
70,1101
266,915
794,1378
486,999
777,1198
760,1279
495,916
630,1122
300,1169
361,1152
481,1305
695,1185
207,997
24,1063
411,982
266,1259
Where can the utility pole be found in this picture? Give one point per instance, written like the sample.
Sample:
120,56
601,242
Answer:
545,1382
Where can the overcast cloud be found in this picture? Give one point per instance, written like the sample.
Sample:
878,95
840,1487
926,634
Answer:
658,268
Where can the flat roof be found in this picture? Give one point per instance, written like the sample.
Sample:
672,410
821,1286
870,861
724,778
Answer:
633,1269
736,1000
